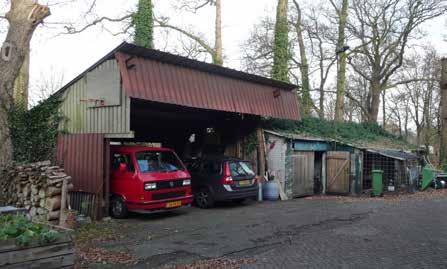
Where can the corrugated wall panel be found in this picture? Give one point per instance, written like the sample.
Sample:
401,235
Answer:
167,83
82,156
80,118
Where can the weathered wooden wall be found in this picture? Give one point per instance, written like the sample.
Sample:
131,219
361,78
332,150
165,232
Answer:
303,173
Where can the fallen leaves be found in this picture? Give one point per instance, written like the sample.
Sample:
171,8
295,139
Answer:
387,197
91,255
87,238
219,263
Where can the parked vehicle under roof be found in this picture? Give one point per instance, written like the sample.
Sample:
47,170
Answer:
222,179
147,179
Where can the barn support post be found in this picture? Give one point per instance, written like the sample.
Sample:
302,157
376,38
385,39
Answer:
323,173
106,196
261,151
443,151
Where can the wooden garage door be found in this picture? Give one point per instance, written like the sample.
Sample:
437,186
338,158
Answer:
303,174
338,164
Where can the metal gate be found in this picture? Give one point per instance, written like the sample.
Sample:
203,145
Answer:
303,173
338,169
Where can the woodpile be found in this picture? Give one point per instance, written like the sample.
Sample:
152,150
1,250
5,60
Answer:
37,187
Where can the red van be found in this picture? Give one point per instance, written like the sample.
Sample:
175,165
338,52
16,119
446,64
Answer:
146,179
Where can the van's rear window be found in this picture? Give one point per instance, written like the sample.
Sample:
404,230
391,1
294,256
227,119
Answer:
158,161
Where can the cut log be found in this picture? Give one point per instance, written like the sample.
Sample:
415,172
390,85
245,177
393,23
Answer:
52,191
53,203
53,215
33,212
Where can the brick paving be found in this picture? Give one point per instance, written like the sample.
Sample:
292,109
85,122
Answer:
301,233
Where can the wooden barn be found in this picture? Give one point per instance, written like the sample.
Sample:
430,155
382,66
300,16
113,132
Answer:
139,95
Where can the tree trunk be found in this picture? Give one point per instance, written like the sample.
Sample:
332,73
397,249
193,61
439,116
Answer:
406,119
23,18
443,152
341,63
280,69
218,56
418,135
427,116
383,109
143,22
375,102
21,84
306,99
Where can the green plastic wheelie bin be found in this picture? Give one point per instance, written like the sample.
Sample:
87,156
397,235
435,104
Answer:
377,183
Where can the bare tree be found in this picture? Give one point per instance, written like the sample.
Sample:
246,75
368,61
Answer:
421,94
257,50
297,23
384,29
321,43
342,14
214,50
23,18
311,53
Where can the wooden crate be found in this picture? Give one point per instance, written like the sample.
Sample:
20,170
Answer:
59,254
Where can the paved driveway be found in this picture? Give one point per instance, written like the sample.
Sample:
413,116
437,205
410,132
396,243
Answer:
301,233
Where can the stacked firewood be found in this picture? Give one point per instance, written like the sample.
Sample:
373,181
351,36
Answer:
37,187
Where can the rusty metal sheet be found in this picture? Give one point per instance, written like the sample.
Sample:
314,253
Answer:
158,81
82,156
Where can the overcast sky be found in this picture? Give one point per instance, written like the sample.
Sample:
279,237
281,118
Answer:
54,56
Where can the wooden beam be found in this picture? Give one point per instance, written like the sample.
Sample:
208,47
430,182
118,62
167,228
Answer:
261,151
443,150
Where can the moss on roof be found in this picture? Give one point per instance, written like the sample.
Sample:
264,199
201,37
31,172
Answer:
366,135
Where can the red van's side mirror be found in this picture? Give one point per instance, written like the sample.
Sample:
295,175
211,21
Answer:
123,167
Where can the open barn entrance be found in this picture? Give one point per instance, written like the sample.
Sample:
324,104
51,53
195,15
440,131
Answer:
192,132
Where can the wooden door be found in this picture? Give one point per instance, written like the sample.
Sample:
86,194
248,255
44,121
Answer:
303,173
338,169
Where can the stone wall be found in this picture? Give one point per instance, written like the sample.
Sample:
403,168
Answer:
37,187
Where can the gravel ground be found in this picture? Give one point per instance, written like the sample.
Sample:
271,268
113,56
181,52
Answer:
405,231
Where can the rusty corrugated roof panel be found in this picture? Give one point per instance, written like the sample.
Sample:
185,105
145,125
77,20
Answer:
196,86
82,156
165,57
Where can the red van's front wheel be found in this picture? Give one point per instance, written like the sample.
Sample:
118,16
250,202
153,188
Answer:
118,208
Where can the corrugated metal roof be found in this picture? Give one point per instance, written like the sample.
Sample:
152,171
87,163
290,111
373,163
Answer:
174,84
163,77
395,154
82,156
296,136
169,58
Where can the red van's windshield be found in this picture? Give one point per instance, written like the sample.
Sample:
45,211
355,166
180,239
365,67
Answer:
158,161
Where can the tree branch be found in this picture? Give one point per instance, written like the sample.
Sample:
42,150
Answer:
72,30
196,38
408,81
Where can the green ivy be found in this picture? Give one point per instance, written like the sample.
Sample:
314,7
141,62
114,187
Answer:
349,132
24,231
34,131
251,143
281,53
143,23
